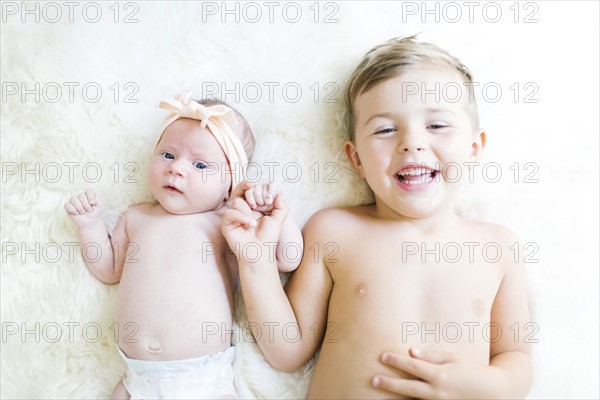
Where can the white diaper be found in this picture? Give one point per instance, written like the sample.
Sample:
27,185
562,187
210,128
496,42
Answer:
209,377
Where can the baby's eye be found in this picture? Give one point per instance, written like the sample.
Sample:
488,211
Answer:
168,156
384,131
199,165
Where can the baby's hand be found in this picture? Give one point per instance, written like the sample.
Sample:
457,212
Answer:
261,197
85,209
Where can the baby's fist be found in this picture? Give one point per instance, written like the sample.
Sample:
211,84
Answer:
84,209
261,197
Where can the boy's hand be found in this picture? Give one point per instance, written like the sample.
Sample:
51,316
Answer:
240,228
439,376
85,209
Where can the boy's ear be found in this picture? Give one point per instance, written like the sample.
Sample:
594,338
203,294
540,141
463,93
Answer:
352,154
478,145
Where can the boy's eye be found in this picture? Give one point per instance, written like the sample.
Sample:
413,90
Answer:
436,126
168,156
386,130
199,165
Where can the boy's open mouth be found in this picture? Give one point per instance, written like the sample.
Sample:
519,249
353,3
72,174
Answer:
416,176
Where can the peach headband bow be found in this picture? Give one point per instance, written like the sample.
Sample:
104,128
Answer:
213,117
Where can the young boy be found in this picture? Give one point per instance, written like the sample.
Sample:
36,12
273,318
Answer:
175,298
438,298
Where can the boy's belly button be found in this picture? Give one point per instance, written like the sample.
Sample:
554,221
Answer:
361,290
478,306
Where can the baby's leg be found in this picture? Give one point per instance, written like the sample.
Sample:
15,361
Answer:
120,393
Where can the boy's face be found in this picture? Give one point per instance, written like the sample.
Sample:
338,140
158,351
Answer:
186,173
413,137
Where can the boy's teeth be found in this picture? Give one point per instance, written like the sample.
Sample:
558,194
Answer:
415,172
417,176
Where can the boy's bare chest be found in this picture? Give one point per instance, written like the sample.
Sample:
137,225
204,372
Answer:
415,280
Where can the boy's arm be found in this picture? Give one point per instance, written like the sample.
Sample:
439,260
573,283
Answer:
86,210
509,373
285,329
511,354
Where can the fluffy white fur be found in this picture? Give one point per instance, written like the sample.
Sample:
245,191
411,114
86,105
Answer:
171,49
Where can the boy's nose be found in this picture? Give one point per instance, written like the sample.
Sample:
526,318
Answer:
411,141
410,148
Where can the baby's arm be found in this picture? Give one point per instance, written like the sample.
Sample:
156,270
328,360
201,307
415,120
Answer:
448,375
86,210
290,245
261,198
276,317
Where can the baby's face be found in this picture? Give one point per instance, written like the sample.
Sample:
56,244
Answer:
188,169
413,137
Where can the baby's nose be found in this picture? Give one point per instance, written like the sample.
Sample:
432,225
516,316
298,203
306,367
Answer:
178,167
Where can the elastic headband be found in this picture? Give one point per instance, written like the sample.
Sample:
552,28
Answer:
212,117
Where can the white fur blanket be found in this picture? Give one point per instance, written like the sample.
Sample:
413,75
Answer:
80,87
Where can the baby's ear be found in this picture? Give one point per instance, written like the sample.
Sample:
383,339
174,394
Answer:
478,145
352,154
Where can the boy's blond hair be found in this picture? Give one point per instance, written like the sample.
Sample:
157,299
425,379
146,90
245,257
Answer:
391,59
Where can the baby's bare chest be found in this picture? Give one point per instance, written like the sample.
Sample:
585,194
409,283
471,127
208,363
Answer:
179,261
188,243
183,232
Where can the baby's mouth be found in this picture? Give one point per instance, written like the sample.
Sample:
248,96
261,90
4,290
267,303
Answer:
171,188
416,176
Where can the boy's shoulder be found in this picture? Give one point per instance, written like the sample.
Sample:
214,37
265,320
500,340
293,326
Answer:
493,232
336,220
347,213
